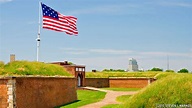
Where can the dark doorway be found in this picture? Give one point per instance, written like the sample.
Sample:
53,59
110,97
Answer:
79,80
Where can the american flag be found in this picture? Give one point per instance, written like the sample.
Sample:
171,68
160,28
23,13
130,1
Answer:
53,20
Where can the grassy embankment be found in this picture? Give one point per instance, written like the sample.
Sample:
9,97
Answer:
174,89
169,89
31,68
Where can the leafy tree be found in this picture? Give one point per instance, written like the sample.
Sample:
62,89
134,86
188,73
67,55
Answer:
183,71
105,70
169,71
156,69
120,70
70,63
113,70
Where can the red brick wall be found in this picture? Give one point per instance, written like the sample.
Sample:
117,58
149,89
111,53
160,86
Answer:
128,82
3,93
118,82
44,92
97,82
70,69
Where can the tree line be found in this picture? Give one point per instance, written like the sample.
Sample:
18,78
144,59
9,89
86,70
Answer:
184,70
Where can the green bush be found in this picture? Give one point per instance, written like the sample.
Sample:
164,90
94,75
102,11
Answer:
33,68
169,71
113,70
183,71
156,69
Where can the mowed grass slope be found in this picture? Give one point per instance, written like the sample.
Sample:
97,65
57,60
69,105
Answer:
175,89
119,74
32,68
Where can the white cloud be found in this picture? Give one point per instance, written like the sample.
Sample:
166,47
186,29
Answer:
110,51
127,8
165,54
176,4
74,51
98,51
123,52
4,1
121,62
105,9
118,59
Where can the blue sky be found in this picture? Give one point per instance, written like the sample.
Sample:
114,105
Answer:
110,32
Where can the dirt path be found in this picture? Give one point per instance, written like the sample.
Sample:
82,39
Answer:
110,98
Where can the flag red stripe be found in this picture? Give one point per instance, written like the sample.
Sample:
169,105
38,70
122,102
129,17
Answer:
53,29
58,23
62,28
56,29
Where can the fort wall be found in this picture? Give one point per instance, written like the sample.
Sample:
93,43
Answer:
118,82
36,92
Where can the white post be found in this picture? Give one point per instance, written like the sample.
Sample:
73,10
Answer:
38,35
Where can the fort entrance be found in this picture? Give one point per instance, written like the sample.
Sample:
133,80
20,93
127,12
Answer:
78,71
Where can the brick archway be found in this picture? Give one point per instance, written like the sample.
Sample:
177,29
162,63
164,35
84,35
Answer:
80,75
79,80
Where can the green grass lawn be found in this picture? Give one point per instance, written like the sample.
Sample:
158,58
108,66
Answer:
123,99
32,68
86,97
122,89
110,106
119,74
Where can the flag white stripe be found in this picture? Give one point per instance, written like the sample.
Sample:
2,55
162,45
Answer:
57,25
51,27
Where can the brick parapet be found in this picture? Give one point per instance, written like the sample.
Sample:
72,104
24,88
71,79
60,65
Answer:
36,92
97,82
122,82
3,93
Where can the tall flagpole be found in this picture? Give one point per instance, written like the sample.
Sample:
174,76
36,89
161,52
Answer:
38,35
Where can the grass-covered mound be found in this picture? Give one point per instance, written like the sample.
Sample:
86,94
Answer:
175,89
163,74
32,68
119,74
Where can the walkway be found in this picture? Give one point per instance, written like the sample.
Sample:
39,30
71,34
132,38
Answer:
110,97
